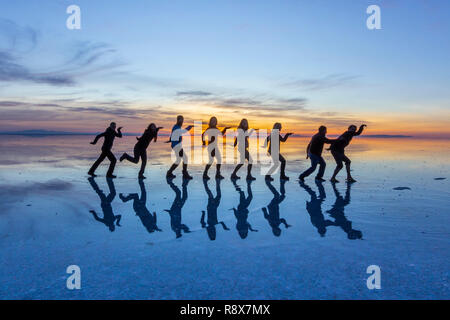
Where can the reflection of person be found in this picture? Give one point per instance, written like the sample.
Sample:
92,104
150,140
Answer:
140,207
176,138
338,151
177,205
273,144
337,213
242,143
314,152
241,212
272,212
108,216
212,134
212,206
109,135
140,148
314,208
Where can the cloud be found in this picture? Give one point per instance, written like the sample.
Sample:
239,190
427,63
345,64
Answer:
321,83
193,93
11,70
238,102
88,58
15,37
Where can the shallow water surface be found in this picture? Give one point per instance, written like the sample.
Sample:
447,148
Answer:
158,239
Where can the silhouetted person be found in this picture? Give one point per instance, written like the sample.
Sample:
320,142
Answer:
338,151
211,208
108,216
176,139
109,135
314,152
140,148
272,212
314,208
177,205
241,212
140,207
273,147
337,213
242,142
212,134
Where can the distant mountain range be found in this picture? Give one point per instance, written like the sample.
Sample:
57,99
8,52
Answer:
36,132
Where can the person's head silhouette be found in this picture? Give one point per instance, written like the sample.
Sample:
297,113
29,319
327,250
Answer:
322,130
243,124
112,125
352,128
180,120
212,122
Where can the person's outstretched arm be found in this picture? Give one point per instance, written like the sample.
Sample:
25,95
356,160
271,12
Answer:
286,136
98,137
224,226
283,221
225,130
250,228
96,217
361,129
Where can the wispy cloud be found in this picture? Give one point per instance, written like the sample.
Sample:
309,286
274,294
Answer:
89,57
321,83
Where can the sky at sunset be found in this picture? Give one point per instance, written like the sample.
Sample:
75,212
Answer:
302,63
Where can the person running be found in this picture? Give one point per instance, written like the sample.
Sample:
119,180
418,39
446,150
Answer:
242,142
272,143
140,148
314,152
176,138
211,134
109,135
338,151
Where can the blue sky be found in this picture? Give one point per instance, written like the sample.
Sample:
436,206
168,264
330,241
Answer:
154,59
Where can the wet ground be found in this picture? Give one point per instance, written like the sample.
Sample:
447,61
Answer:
161,239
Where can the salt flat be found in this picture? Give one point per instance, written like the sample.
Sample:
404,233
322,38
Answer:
335,233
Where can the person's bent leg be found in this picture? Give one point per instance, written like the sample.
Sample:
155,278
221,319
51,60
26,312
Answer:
178,154
112,165
143,163
234,174
322,166
307,172
283,175
97,163
347,162
338,158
